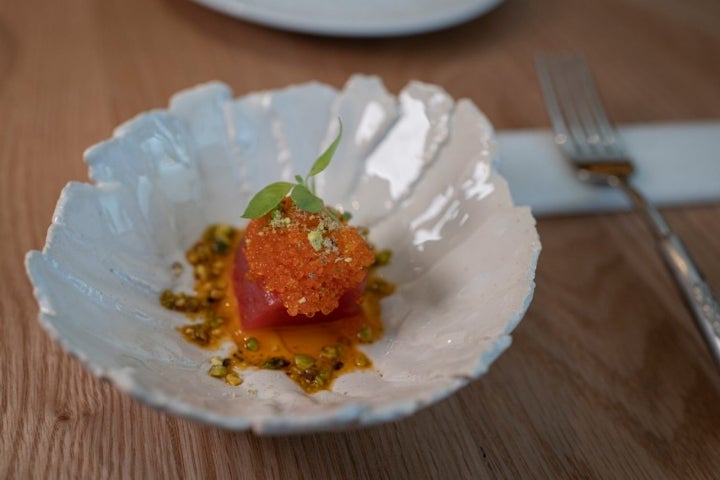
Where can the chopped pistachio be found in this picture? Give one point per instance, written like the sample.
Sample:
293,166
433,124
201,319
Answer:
216,361
233,379
223,233
176,268
218,371
323,376
331,352
193,304
167,299
329,245
382,257
275,363
361,360
252,344
365,334
201,272
380,286
197,333
215,322
303,362
220,246
315,238
277,220
216,270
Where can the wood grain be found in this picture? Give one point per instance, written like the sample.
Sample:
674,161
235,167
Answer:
606,377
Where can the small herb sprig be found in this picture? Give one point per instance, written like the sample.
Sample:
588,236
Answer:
302,192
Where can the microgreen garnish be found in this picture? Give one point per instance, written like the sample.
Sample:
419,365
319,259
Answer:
302,192
267,199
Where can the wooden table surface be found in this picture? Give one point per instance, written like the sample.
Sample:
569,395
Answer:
606,377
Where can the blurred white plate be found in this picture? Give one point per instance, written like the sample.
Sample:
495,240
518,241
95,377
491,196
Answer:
353,18
415,168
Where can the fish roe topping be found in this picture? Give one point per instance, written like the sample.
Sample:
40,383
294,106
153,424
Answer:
308,259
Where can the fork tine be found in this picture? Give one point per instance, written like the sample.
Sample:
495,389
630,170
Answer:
544,67
565,103
575,84
606,132
573,104
575,107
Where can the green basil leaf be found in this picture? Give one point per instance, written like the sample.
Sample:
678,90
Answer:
299,180
324,159
267,199
306,200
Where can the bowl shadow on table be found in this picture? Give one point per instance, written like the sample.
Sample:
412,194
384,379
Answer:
368,55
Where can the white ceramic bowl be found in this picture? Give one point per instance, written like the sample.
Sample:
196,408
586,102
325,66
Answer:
415,168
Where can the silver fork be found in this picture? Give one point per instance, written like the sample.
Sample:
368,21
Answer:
588,140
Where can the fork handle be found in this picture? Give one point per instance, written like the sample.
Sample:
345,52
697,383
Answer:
696,290
701,300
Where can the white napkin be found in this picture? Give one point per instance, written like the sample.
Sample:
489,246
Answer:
677,163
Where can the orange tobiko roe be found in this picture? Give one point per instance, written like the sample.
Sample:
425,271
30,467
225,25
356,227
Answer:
310,261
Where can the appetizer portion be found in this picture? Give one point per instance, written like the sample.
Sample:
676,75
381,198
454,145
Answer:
294,267
295,291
